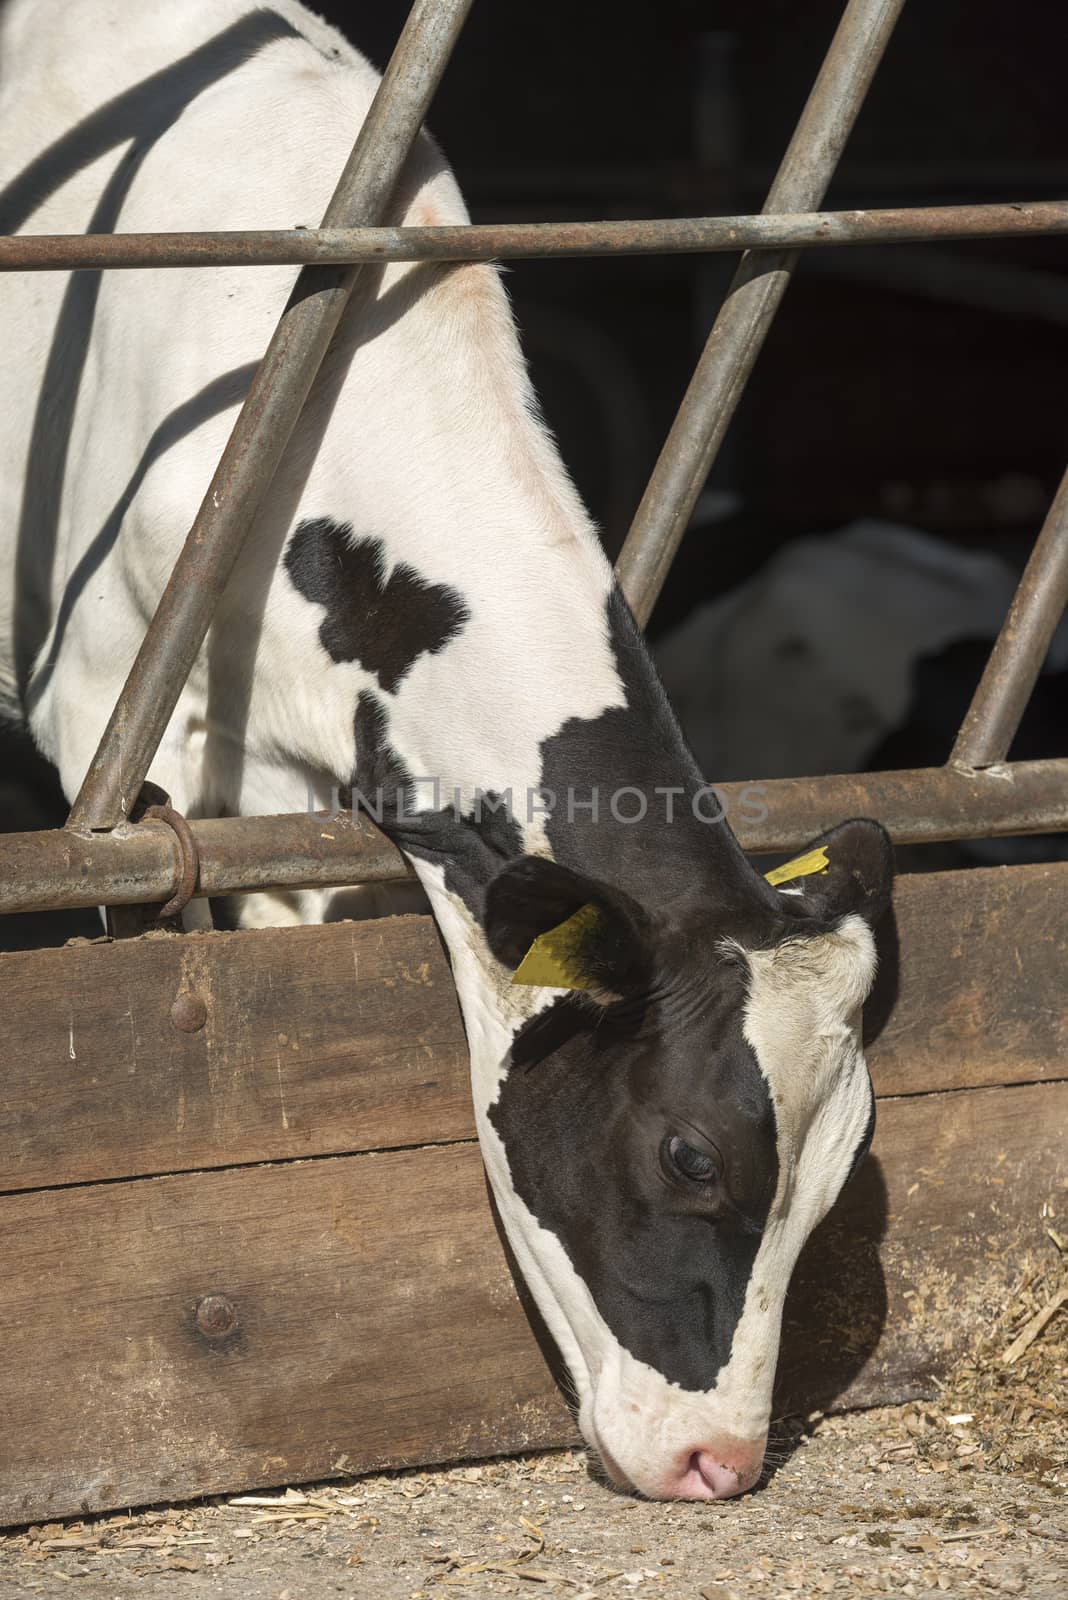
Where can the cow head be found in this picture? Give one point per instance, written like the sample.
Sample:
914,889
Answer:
669,1129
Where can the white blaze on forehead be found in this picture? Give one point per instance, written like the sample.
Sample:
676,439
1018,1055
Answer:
802,1020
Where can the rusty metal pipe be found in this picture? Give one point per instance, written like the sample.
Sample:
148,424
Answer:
266,421
1015,662
518,240
138,863
915,806
759,284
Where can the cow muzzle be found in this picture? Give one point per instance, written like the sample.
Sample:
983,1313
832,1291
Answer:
713,1469
730,1466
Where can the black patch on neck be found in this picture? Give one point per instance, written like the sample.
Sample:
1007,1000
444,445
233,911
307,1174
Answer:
639,745
384,624
471,847
582,1117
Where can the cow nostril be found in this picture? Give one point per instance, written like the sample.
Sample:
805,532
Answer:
722,1480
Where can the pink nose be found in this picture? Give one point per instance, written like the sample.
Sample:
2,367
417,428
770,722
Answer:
709,1475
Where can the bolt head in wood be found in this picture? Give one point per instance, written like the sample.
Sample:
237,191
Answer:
189,1013
216,1316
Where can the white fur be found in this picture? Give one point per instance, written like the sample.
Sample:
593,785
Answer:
428,435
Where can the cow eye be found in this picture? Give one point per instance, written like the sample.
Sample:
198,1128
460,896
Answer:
694,1165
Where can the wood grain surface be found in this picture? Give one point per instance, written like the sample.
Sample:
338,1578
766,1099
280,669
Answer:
372,1319
338,1039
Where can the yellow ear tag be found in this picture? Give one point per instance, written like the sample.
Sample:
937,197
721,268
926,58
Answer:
805,866
550,963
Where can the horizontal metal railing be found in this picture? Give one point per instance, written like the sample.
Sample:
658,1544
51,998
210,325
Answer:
100,857
140,862
514,241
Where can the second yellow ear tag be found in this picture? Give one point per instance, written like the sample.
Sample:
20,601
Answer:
551,962
805,866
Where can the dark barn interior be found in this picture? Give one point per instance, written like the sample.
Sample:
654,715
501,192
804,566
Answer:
915,385
918,384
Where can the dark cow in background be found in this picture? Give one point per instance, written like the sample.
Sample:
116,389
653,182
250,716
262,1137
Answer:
423,613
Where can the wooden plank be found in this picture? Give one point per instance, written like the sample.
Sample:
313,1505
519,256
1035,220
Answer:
316,1040
972,979
376,1322
347,1038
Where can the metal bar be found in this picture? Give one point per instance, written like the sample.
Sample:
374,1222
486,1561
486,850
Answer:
1020,648
752,301
503,241
916,807
263,428
137,862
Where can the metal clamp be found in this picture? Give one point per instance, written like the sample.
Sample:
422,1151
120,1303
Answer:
190,858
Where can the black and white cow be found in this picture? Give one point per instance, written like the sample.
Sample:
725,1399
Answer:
424,612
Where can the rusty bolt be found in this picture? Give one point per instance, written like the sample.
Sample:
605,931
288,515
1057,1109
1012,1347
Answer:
189,1013
216,1316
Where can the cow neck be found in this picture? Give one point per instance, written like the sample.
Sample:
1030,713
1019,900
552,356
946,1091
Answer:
625,804
660,831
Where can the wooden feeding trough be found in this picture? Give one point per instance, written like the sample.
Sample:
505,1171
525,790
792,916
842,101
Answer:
245,1231
247,1237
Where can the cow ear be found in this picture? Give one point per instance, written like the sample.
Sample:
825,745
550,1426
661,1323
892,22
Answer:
850,869
554,927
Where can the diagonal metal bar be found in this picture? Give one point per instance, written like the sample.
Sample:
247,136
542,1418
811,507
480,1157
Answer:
1016,660
266,421
502,241
752,301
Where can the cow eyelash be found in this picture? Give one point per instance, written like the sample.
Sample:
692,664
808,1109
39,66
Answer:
683,1161
709,1184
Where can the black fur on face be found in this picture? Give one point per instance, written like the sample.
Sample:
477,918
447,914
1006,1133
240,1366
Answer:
595,1102
602,1099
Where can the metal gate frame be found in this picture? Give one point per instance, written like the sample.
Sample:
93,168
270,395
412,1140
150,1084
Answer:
102,857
